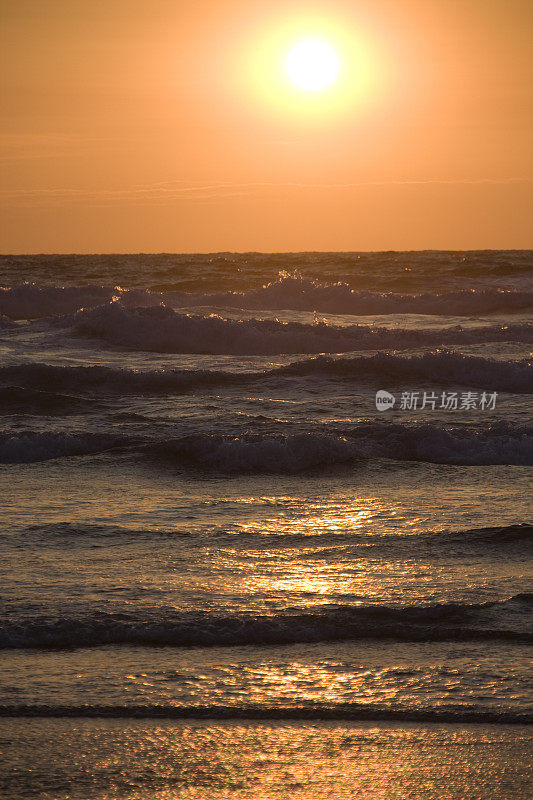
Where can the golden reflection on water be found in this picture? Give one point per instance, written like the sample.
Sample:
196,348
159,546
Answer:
323,583
246,760
310,570
323,517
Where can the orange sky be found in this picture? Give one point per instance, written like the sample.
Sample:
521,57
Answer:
133,126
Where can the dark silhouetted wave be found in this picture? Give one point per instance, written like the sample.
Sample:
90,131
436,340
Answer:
500,443
161,329
442,368
291,291
495,620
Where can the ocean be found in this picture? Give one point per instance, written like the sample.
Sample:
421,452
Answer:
225,571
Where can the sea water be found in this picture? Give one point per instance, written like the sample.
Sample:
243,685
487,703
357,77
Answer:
217,551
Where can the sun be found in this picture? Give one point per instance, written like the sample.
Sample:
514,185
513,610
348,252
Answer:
312,65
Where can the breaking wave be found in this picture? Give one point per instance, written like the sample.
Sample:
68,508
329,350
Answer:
30,301
500,443
161,329
168,627
497,444
294,291
256,453
441,366
289,291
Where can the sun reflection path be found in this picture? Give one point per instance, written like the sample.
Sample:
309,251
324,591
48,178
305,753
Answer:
308,558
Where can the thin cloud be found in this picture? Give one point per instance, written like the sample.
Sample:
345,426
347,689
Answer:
171,191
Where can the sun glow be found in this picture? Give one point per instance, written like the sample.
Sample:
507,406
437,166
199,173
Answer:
310,70
312,65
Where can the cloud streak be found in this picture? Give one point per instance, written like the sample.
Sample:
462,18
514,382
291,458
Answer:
167,192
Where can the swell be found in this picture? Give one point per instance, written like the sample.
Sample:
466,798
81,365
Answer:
495,620
441,367
25,447
506,540
289,291
500,443
161,329
23,400
294,291
285,454
318,711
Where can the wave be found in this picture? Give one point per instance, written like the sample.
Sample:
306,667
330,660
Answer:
278,454
318,711
258,453
6,323
30,301
501,541
501,443
296,292
30,446
161,329
497,535
441,367
169,628
40,377
290,291
505,539
20,400
67,533
496,444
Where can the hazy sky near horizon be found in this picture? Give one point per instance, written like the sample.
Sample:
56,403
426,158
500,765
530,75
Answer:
157,126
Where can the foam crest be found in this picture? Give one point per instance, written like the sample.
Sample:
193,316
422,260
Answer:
161,329
291,291
294,291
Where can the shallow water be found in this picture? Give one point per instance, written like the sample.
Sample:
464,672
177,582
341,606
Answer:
115,759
